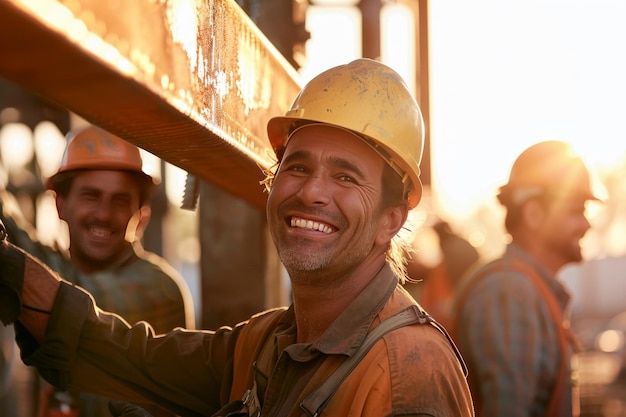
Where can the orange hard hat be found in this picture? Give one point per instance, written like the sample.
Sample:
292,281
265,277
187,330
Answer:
547,167
93,148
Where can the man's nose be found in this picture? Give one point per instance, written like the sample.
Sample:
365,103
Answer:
104,210
315,190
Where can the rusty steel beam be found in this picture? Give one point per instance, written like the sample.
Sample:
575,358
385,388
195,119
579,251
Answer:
193,82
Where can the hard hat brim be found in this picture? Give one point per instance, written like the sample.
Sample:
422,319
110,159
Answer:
52,181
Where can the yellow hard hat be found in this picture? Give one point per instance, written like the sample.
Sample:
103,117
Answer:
373,101
549,166
94,148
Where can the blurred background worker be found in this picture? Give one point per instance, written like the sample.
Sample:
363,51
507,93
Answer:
103,195
510,315
434,287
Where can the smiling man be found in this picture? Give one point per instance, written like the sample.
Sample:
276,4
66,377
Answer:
99,188
352,343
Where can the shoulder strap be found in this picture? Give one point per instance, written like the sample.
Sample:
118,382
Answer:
315,403
564,333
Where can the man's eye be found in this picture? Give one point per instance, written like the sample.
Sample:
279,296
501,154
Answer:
295,168
122,202
347,178
89,196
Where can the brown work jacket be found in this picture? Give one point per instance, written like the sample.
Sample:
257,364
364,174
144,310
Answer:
413,370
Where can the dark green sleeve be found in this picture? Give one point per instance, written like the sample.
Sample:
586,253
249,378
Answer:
95,351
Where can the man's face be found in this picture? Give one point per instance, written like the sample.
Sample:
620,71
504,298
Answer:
97,210
564,226
324,207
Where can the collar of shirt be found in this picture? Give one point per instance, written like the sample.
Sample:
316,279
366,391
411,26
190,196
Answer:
347,332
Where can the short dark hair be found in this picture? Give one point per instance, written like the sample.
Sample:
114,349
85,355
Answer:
513,215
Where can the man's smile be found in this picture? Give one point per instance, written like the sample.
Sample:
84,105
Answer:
100,232
310,225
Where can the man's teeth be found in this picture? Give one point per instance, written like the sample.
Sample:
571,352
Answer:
100,232
310,225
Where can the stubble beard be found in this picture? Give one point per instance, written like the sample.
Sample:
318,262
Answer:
301,264
570,253
305,264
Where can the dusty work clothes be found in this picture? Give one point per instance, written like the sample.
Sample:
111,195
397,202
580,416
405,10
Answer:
142,286
140,289
413,371
510,342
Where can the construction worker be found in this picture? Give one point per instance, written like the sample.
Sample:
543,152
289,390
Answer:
352,343
511,323
99,188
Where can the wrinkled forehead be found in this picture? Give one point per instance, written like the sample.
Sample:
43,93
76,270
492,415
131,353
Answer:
331,139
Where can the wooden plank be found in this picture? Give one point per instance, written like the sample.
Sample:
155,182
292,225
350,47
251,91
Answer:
193,82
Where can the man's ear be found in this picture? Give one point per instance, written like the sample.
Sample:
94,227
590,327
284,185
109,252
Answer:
533,214
392,221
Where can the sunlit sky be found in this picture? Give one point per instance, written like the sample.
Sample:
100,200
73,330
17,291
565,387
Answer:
504,75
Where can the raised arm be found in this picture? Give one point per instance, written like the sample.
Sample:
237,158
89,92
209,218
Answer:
27,288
